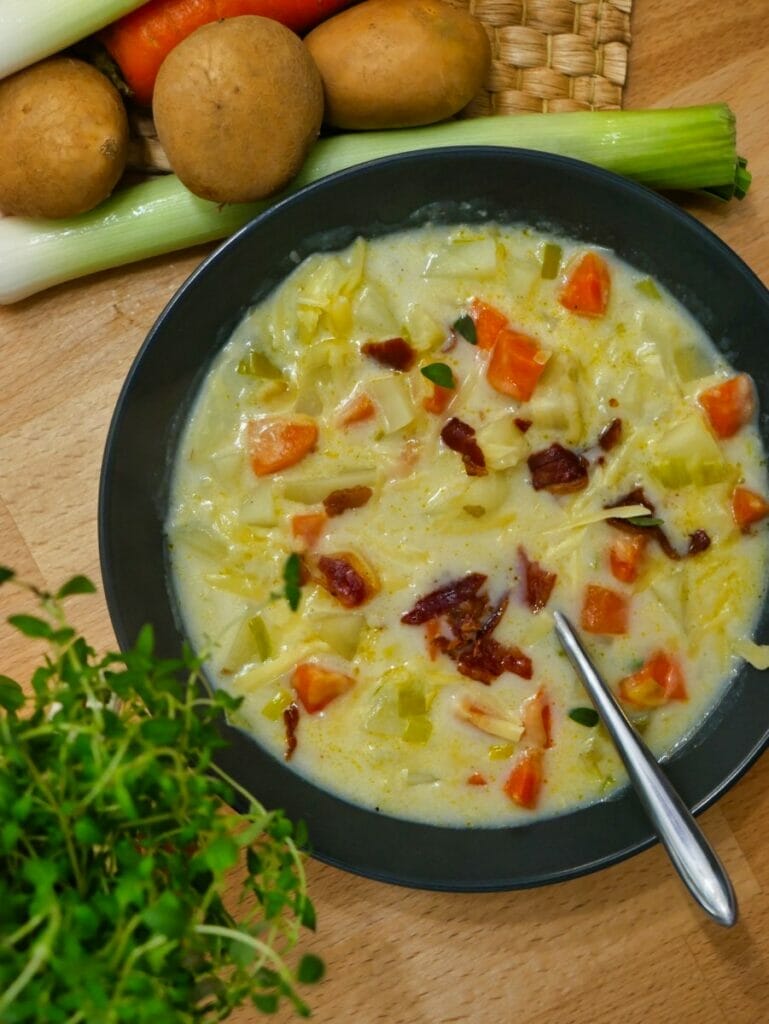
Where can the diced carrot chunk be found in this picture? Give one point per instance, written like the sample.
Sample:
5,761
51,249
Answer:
660,680
357,410
536,716
588,287
439,399
730,405
626,556
317,686
476,779
642,690
516,364
308,526
277,442
604,610
524,783
748,507
668,672
488,323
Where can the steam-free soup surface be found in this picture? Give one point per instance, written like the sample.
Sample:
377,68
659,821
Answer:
406,458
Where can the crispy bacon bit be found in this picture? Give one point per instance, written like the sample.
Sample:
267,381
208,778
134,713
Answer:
347,578
460,437
291,721
487,659
523,425
439,601
395,353
558,470
698,541
539,582
611,436
470,620
347,497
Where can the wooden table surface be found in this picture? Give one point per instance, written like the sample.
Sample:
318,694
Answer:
623,944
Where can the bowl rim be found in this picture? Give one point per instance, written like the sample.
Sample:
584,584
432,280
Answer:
317,190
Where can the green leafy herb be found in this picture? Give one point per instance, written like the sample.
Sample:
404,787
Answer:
292,578
584,716
465,326
440,374
644,521
116,840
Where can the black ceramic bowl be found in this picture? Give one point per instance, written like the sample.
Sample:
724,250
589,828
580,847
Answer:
444,186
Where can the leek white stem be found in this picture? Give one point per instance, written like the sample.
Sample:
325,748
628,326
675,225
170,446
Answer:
33,29
687,148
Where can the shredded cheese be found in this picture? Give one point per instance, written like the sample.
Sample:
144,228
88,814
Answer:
755,654
623,512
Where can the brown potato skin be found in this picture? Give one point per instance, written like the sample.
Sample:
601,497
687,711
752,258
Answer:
399,63
64,135
237,106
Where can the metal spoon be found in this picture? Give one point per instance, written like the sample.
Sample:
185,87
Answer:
693,858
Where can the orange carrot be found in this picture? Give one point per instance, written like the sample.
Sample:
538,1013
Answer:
587,289
642,690
748,508
140,41
439,400
668,672
308,526
476,779
488,323
357,410
604,611
659,680
516,364
524,783
626,555
317,686
730,405
277,442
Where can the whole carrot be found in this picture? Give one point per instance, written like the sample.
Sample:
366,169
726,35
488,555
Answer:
140,41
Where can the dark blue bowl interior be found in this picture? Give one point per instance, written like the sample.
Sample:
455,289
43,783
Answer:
445,186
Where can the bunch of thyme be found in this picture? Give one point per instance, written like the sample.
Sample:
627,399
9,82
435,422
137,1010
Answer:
117,840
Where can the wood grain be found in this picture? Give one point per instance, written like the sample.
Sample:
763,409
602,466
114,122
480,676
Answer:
625,944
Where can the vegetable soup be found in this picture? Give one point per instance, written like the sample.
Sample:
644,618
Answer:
414,450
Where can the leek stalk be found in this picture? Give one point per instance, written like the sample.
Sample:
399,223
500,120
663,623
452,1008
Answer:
33,29
686,148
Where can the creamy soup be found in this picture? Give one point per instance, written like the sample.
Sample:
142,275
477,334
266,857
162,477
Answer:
412,452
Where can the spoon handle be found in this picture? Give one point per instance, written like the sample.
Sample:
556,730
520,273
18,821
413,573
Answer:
692,856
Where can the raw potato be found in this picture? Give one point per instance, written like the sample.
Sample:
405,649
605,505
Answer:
399,63
237,105
64,137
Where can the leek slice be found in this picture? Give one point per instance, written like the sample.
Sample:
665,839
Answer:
250,643
342,632
274,708
684,148
687,455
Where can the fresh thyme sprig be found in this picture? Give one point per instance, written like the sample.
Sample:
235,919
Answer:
117,838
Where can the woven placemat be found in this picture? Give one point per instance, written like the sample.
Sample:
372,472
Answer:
552,55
